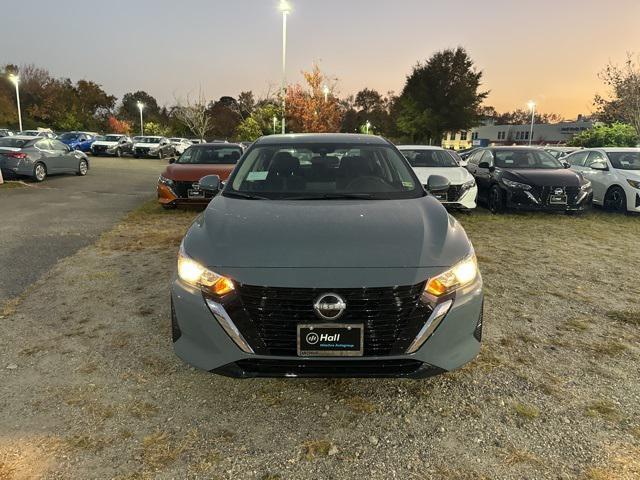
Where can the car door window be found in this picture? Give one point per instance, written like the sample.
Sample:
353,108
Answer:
58,146
595,157
577,159
43,144
474,159
487,157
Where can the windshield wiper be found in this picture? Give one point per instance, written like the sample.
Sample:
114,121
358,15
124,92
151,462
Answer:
334,196
246,196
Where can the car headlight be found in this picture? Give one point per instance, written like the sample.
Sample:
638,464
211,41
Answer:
165,181
467,185
585,186
194,274
512,184
460,275
633,183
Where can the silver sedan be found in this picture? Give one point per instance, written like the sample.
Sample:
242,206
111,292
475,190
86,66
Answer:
39,157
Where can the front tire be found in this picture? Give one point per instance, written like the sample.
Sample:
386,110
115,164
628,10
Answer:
169,206
39,172
496,200
160,155
83,168
118,153
615,200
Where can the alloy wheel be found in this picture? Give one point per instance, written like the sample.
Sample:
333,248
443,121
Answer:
616,200
40,172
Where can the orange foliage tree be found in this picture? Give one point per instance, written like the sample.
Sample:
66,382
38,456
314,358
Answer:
308,109
118,126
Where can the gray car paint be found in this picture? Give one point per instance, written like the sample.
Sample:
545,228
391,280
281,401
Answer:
55,155
326,244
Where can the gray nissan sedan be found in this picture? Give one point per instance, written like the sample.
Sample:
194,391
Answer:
324,256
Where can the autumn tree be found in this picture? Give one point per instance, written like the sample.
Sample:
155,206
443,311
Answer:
118,126
441,95
307,108
623,104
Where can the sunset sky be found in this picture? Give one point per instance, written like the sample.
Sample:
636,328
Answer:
547,50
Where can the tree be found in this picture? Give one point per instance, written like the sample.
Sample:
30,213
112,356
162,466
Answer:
248,130
246,103
152,128
441,95
624,102
194,116
129,108
614,135
369,100
118,126
225,117
307,108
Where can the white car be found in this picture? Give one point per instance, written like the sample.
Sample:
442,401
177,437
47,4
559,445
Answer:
41,132
153,146
614,174
427,161
180,144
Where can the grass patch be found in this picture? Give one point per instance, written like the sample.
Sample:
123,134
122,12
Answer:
9,185
609,347
143,410
515,456
526,411
602,408
148,227
313,449
631,318
360,405
87,442
577,324
160,450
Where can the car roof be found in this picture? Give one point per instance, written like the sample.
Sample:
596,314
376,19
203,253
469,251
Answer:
216,144
308,138
515,147
23,137
617,149
419,147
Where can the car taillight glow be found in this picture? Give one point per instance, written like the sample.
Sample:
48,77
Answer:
18,155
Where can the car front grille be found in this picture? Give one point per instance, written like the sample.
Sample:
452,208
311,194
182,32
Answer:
182,189
543,194
142,151
385,312
454,192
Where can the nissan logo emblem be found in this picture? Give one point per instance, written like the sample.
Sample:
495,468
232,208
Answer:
330,306
558,191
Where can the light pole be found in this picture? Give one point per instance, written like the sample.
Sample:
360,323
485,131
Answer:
275,123
367,126
532,107
141,107
15,79
325,90
285,8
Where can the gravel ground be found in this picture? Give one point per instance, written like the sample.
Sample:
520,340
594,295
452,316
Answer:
90,387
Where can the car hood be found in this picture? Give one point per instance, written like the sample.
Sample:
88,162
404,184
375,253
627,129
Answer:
544,177
329,234
193,173
149,145
630,174
105,143
455,175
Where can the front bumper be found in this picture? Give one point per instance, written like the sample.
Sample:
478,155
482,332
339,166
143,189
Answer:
168,195
538,199
200,340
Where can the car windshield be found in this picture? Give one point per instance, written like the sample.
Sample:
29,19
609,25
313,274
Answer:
211,155
110,138
429,158
324,171
521,158
11,142
65,137
149,140
625,160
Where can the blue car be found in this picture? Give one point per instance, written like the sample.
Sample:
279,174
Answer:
78,140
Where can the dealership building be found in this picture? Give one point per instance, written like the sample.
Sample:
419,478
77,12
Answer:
490,135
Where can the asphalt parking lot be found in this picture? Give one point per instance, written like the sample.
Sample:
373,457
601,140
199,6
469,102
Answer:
44,222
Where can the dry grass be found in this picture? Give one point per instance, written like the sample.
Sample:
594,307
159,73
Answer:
360,405
313,449
148,227
624,465
160,449
8,185
609,347
87,442
629,317
10,307
141,409
526,411
514,456
602,408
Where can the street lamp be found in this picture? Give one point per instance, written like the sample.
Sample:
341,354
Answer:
367,126
15,79
285,8
325,90
141,107
532,107
275,123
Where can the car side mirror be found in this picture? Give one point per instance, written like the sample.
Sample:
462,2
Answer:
172,160
210,183
565,164
599,165
438,184
484,165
